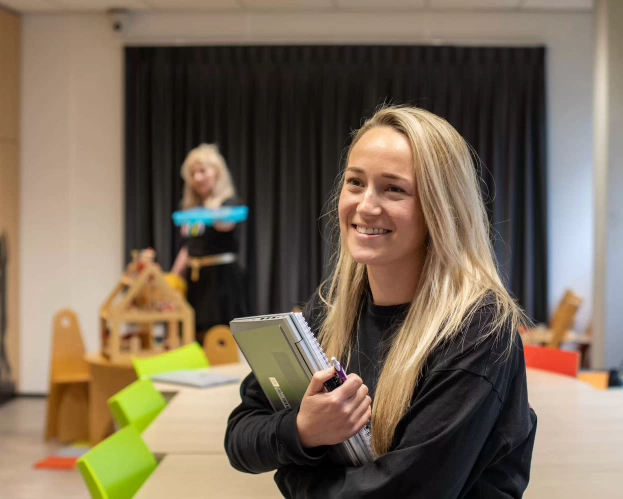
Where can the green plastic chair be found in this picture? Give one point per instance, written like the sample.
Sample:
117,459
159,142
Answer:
187,357
117,467
137,405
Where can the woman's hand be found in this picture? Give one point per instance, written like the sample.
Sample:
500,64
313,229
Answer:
221,227
329,418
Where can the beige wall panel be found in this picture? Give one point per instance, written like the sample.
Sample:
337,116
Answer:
9,222
9,76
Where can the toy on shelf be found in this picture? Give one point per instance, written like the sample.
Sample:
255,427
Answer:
194,221
176,282
142,301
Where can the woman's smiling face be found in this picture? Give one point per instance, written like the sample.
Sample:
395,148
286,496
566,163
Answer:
380,214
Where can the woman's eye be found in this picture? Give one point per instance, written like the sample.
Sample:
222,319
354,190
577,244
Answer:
354,182
393,188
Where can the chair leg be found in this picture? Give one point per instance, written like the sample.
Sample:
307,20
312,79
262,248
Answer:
585,360
54,401
73,414
105,382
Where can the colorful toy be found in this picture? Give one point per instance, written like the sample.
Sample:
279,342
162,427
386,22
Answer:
177,283
142,299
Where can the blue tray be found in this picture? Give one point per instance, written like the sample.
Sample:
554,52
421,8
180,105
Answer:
208,217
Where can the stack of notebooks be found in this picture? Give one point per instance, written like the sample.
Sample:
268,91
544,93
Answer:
284,355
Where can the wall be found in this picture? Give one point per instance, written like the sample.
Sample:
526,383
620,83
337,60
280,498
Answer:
608,345
73,106
9,176
71,170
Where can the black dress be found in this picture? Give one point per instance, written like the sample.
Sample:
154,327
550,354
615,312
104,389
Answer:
220,294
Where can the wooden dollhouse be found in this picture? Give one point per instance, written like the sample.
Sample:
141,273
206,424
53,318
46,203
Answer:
142,301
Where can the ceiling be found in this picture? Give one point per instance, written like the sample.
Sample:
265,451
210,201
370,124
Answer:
31,6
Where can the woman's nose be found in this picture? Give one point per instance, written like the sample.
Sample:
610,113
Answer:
369,204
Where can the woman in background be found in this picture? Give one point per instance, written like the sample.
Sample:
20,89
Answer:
216,288
416,308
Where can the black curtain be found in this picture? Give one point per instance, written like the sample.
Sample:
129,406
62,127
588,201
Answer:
282,117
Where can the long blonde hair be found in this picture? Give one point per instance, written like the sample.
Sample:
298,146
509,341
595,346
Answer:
209,155
459,269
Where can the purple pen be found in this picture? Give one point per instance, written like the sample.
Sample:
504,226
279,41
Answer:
338,369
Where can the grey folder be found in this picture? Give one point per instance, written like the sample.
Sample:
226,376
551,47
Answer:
199,379
284,355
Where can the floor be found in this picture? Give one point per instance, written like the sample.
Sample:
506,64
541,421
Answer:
21,445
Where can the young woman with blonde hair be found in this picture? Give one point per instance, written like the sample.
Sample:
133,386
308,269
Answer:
416,308
216,287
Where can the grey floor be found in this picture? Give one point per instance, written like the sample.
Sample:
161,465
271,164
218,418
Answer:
21,445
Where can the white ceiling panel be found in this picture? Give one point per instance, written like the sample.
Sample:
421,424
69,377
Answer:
98,5
197,5
29,5
558,4
293,5
277,5
474,4
387,5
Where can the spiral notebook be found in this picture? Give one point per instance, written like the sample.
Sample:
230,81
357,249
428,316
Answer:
284,355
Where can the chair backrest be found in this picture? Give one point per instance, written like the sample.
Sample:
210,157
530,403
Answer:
219,346
67,346
564,318
187,357
137,404
552,359
117,467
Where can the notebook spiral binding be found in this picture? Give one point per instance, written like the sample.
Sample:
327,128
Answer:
312,339
363,433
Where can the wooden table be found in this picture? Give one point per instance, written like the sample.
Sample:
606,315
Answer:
578,451
107,378
201,476
194,422
579,442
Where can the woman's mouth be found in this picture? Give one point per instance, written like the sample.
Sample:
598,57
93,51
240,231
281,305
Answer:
371,231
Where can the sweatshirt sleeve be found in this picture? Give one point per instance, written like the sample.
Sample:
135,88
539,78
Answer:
258,439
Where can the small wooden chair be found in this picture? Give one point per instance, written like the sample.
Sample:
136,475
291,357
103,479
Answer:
68,399
560,329
564,318
220,347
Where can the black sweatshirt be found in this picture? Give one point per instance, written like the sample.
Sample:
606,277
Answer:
469,432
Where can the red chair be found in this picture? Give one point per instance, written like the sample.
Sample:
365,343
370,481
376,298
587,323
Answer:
552,359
